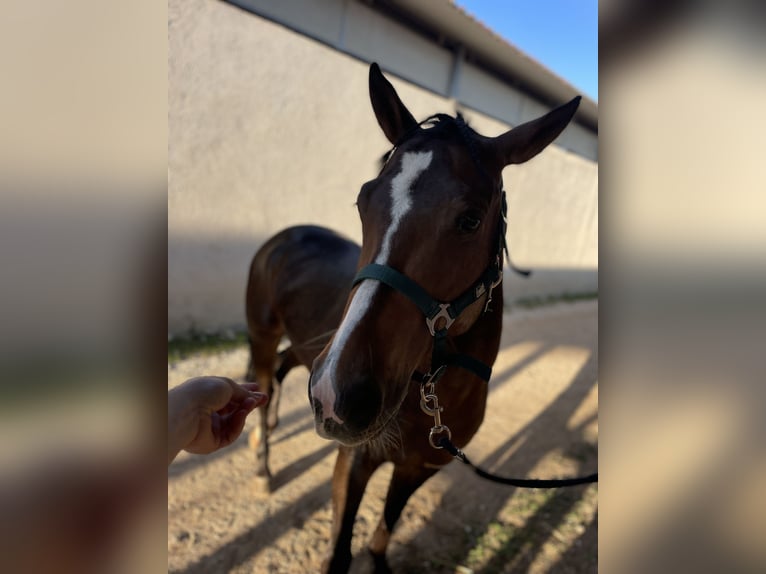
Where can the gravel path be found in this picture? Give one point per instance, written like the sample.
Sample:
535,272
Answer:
541,421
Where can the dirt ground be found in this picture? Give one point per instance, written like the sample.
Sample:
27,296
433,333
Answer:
542,421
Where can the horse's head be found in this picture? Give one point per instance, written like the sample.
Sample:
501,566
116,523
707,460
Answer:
433,214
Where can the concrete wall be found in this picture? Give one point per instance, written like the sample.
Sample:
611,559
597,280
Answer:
270,128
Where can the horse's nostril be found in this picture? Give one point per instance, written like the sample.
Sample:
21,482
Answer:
317,406
359,404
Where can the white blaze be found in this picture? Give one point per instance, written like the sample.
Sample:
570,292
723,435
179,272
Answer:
413,164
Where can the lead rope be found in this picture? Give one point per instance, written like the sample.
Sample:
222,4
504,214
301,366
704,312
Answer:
440,437
447,445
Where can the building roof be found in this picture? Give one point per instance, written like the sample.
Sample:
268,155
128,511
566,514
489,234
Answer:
447,19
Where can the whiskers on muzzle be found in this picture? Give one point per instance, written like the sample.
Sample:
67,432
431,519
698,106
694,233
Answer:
388,440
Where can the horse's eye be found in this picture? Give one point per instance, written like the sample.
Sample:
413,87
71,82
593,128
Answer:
468,223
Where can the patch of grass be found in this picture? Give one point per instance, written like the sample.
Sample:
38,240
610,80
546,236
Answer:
495,539
540,301
196,343
531,521
502,540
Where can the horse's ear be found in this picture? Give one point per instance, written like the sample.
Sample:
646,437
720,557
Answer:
525,141
394,119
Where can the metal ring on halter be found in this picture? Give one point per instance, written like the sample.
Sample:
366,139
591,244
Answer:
429,379
443,313
438,430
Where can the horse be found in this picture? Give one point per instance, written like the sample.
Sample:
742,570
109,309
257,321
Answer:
433,237
297,286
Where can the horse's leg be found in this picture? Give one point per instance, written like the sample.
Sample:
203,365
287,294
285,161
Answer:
404,482
262,357
288,360
353,469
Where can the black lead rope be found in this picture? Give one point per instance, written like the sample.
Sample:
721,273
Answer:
447,445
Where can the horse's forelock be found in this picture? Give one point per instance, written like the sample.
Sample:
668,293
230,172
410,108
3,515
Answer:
439,126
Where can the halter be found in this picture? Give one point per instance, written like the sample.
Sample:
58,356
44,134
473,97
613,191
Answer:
439,317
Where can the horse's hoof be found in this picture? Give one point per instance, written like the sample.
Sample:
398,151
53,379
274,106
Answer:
262,485
272,424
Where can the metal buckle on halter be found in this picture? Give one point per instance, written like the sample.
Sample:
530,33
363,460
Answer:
442,314
494,284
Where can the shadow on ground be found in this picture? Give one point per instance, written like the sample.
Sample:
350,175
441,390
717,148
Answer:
474,505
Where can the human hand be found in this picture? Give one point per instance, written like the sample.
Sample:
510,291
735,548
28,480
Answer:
208,413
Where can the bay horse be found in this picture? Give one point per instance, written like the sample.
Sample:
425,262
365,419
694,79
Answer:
297,286
433,228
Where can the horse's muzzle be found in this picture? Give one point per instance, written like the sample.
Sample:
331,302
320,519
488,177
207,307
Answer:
345,413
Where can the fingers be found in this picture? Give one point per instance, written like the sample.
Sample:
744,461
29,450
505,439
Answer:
250,402
215,411
209,392
234,424
231,425
222,394
260,398
240,393
252,387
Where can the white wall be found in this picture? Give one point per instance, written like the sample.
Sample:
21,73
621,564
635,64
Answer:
269,128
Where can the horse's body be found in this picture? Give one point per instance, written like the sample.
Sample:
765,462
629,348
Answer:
298,284
434,215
